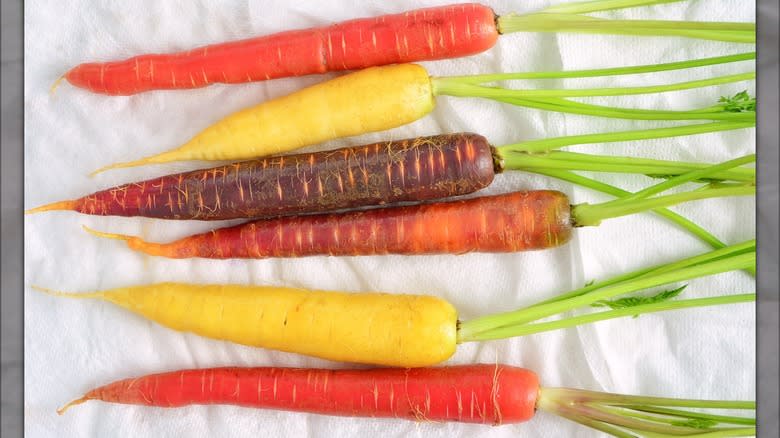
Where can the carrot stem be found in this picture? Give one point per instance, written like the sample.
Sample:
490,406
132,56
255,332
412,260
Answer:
614,71
540,327
444,86
599,186
628,415
558,160
571,107
589,215
548,144
712,263
584,7
569,22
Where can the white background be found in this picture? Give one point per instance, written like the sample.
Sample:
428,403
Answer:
72,346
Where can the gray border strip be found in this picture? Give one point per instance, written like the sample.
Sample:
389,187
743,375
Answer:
768,301
11,360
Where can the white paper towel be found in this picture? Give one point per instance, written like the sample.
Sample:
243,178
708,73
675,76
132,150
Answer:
72,346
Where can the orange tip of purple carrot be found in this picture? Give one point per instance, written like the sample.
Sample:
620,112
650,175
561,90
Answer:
59,205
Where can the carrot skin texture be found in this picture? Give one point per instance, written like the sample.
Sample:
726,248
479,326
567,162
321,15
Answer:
516,221
374,174
482,393
418,35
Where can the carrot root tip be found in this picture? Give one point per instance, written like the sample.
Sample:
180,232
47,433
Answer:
114,236
59,205
75,402
55,85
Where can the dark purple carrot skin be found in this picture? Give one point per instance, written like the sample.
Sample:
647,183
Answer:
418,169
517,221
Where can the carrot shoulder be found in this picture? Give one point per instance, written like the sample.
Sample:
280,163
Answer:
509,222
482,393
422,34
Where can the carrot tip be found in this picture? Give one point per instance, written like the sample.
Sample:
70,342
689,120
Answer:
56,84
59,205
106,235
75,402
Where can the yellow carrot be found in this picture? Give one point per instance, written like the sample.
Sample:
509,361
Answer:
375,328
374,99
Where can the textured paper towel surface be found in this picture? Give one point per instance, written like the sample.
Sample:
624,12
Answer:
72,346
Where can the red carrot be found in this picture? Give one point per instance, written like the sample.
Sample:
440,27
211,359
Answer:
471,394
415,169
483,394
423,34
419,35
509,222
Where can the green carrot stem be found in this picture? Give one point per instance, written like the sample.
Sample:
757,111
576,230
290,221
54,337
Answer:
444,86
585,7
591,215
548,144
606,163
681,179
563,22
622,415
540,327
572,107
585,396
599,186
633,424
472,330
614,71
694,415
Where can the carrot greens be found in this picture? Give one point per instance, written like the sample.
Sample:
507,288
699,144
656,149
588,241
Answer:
526,321
568,18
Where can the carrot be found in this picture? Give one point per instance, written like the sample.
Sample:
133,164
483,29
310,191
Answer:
516,221
381,173
320,324
381,98
422,34
396,330
482,393
418,35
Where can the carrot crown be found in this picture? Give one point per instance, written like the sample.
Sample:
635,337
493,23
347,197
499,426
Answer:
631,416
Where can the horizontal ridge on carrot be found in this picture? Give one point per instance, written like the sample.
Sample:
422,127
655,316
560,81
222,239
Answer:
398,330
381,98
382,173
419,35
510,222
490,394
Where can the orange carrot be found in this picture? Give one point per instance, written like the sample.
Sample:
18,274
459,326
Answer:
505,223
